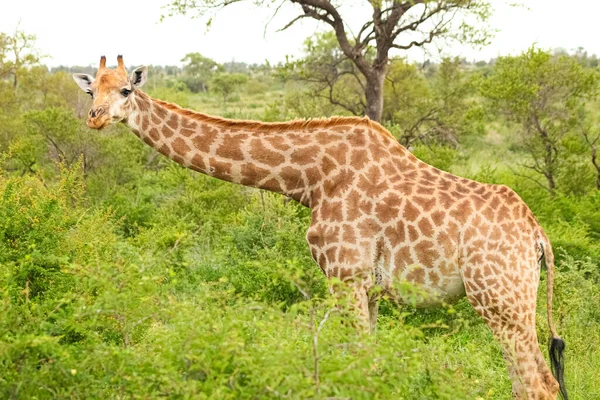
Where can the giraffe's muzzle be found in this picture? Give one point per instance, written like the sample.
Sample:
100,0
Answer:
98,118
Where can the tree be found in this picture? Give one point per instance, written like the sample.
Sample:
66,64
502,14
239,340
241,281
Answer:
545,95
437,109
17,52
392,25
329,74
198,71
225,84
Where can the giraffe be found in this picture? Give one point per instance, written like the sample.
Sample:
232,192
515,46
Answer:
379,214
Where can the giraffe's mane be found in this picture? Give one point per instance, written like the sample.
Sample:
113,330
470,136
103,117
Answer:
273,126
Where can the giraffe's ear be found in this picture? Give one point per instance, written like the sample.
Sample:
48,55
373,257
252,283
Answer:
138,77
84,81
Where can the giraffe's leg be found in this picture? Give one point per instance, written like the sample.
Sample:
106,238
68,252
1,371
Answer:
373,312
354,295
509,310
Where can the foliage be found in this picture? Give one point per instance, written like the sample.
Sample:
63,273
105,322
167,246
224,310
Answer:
391,25
197,71
225,84
544,95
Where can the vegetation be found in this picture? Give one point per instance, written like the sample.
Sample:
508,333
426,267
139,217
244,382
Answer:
392,25
123,275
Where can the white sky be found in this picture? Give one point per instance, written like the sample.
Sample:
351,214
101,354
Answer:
77,32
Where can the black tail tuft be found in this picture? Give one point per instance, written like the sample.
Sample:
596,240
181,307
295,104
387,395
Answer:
557,362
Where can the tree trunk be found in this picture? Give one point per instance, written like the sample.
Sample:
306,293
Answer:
374,94
551,183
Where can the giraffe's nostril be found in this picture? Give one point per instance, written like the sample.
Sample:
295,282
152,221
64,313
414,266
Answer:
92,113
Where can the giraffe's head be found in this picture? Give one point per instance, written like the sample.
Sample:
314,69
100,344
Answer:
111,92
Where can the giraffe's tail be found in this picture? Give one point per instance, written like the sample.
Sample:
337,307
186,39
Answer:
557,345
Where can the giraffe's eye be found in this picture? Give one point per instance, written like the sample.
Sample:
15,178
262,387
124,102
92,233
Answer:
125,92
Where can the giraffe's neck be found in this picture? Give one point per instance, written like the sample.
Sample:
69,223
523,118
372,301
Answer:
225,149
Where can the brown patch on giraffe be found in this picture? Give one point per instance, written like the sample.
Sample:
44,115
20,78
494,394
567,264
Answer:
313,175
405,189
463,190
164,149
438,217
305,155
348,234
166,131
301,139
494,203
469,234
478,202
331,256
272,184
373,183
358,138
188,123
413,233
148,140
198,163
426,227
446,200
251,174
462,211
187,132
160,112
402,256
145,124
489,214
396,234
434,278
177,159
426,204
445,185
331,211
358,159
424,190
180,147
328,164
142,104
173,121
278,143
231,147
205,139
324,137
338,183
155,119
369,228
339,152
429,177
388,208
453,229
315,197
410,212
353,200
154,134
416,275
349,256
259,152
502,214
219,168
447,243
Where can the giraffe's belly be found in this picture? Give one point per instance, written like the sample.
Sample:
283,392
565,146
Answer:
423,286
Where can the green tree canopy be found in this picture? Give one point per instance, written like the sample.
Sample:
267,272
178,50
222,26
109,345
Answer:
198,71
544,94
